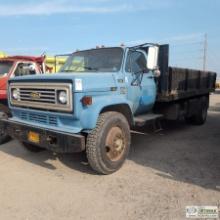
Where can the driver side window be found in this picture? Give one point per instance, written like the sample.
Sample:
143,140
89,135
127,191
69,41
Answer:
136,62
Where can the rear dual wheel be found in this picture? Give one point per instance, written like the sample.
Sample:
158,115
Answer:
108,144
200,117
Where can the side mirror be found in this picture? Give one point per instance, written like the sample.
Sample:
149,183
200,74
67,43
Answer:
152,57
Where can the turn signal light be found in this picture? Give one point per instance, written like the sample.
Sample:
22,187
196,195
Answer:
86,100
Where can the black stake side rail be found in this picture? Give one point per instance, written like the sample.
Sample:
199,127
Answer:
180,83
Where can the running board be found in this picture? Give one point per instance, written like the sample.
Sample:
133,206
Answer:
143,119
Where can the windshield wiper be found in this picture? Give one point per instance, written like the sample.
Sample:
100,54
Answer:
67,71
91,68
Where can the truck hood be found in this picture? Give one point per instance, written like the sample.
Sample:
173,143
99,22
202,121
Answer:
89,81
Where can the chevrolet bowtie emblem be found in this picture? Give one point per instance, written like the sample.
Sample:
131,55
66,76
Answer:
35,95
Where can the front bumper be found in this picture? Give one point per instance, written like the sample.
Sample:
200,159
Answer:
56,141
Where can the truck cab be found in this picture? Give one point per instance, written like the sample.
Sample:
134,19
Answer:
96,98
118,70
13,66
16,66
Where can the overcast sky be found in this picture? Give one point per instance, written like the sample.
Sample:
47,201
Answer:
60,26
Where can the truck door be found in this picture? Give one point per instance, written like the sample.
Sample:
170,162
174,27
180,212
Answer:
141,85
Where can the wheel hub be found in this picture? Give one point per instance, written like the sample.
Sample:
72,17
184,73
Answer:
115,144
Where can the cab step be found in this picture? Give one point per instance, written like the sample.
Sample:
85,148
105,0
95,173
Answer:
143,119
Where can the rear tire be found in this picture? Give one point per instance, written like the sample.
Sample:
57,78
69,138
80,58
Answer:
32,148
108,143
200,117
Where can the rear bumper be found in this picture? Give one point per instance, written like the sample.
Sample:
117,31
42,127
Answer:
56,141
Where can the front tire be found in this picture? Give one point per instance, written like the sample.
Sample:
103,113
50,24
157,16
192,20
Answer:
4,137
108,143
32,148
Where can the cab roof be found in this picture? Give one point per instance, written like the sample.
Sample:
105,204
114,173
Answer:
39,59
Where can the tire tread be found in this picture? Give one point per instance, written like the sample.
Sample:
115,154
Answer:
92,151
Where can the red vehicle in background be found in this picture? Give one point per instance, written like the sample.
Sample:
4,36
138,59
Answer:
14,66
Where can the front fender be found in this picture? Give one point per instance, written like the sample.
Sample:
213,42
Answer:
90,114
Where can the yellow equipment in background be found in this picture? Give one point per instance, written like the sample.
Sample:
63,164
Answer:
217,85
2,54
55,62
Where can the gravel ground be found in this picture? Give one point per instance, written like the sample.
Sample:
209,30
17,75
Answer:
165,172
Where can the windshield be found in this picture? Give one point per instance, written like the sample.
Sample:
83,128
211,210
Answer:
5,67
96,60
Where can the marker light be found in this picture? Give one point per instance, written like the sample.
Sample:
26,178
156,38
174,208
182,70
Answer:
87,100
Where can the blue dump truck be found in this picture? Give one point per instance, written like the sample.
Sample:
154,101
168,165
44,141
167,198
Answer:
98,96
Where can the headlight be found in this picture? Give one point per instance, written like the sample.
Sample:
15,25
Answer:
15,94
62,97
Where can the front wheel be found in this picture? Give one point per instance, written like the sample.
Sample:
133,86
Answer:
108,143
4,137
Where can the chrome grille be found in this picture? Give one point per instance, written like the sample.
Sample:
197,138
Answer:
45,95
42,95
39,118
